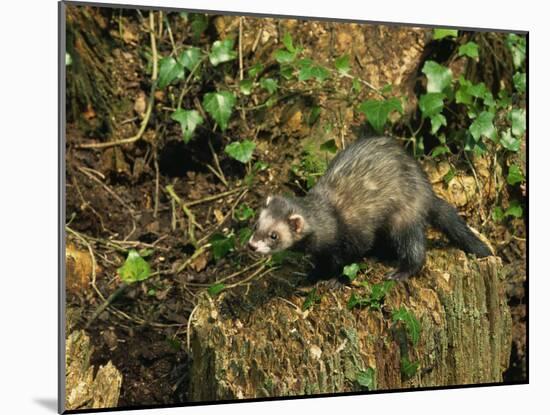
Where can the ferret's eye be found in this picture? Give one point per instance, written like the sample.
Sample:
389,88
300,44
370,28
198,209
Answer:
274,236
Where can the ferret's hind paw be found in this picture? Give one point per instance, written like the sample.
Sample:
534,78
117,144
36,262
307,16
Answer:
398,276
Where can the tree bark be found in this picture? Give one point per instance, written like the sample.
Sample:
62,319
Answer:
259,342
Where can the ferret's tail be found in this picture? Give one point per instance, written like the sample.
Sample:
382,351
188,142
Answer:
445,217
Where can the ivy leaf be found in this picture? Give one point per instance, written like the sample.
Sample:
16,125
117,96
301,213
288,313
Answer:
342,64
215,289
408,368
220,106
286,71
244,236
199,23
514,175
431,104
379,291
314,115
469,49
188,121
442,33
377,111
440,150
410,321
68,59
269,84
520,81
308,71
244,212
255,70
483,126
329,146
135,268
508,141
169,70
514,209
222,51
439,77
287,41
518,118
221,245
312,298
246,86
498,214
351,271
241,151
189,58
367,378
437,121
284,56
517,45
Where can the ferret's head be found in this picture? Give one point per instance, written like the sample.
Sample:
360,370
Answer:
279,226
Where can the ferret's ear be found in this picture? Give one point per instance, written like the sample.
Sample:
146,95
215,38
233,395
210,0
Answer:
269,198
296,222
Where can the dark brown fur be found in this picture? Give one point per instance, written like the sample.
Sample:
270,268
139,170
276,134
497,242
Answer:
371,188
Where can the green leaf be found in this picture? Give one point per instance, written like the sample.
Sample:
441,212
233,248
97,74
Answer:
284,56
498,214
519,121
437,121
244,236
515,175
314,115
351,271
517,45
483,126
255,70
377,111
329,146
220,106
246,86
244,212
356,301
379,292
408,368
188,121
199,23
189,58
367,378
410,321
241,151
221,245
286,71
308,71
469,49
514,209
269,84
215,289
342,64
222,51
169,70
287,41
449,175
520,81
431,104
439,77
135,268
356,85
509,142
68,59
312,298
442,33
440,150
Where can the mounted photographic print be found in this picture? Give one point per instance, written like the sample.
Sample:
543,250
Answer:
258,207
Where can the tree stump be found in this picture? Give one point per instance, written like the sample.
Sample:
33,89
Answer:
259,342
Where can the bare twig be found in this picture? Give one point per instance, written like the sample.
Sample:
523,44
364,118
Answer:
241,71
221,176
